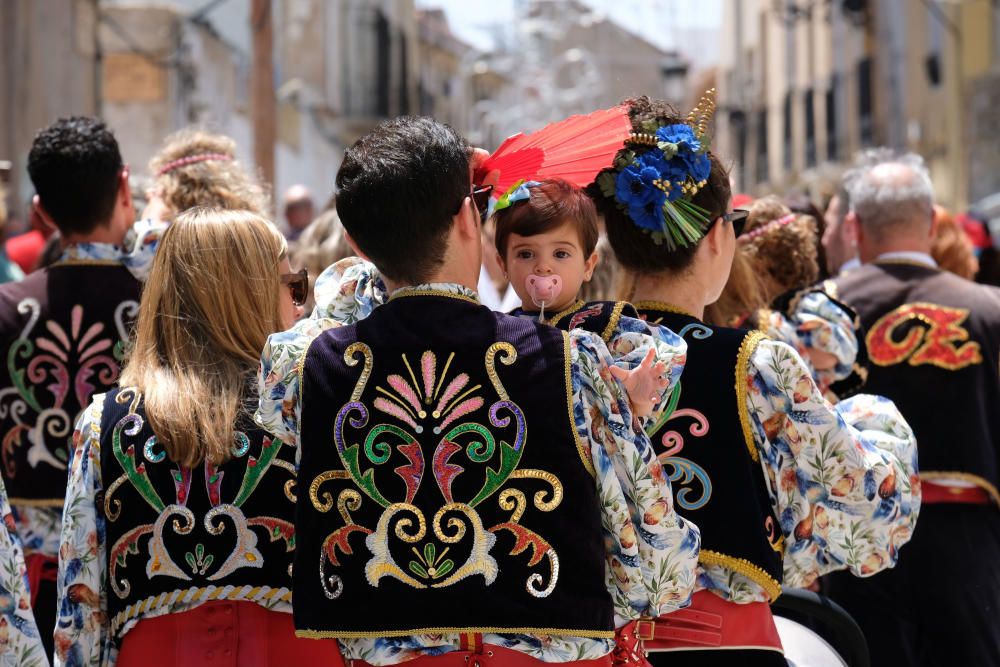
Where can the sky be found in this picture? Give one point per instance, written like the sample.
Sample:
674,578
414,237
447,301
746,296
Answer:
666,23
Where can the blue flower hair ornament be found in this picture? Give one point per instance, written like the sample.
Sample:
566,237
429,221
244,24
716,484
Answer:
656,175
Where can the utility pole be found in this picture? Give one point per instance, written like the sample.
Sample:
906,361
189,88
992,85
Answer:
262,87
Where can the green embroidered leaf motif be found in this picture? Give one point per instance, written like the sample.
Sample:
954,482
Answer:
209,559
509,458
430,552
189,557
256,469
22,348
445,568
138,478
367,481
418,569
200,551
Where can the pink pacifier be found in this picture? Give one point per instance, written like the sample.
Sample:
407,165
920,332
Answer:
543,290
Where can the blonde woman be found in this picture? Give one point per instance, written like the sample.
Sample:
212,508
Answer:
198,168
178,538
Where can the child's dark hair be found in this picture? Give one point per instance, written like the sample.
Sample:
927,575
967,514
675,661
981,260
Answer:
552,203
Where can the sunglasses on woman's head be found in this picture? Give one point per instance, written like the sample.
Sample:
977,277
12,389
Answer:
298,285
481,198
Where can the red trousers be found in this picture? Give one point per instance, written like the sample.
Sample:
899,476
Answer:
224,634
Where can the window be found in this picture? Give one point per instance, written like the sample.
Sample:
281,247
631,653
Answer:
807,99
832,140
762,158
383,73
865,105
787,136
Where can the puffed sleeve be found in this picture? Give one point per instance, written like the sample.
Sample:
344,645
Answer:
82,634
816,322
842,478
652,551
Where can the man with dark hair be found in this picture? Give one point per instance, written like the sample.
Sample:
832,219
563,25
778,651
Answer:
63,330
933,341
496,501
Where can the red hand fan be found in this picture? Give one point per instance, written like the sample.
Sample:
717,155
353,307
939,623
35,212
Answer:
574,149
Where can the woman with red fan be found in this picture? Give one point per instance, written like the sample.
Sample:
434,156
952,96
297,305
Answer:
784,486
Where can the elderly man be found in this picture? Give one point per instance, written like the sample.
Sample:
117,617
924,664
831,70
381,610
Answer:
934,343
299,210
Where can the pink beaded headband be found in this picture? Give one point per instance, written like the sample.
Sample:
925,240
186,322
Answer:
191,159
769,227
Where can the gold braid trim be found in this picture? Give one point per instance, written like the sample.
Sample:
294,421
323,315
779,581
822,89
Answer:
87,262
932,475
255,594
747,348
616,316
742,566
375,634
664,307
581,448
569,310
433,292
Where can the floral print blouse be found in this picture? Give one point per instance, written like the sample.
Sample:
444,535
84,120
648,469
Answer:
20,642
651,551
815,322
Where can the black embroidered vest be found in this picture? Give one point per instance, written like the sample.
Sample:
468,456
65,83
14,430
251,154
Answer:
599,317
181,534
705,443
62,333
934,347
444,487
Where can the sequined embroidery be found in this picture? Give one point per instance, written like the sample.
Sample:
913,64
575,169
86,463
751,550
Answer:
935,345
443,548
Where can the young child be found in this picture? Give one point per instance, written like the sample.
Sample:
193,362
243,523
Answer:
546,240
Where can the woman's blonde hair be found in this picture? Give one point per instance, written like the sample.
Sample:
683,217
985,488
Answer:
212,177
785,253
210,303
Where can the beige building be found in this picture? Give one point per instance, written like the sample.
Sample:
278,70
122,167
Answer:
804,85
339,67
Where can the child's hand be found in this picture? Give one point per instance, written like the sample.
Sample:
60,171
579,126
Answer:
644,384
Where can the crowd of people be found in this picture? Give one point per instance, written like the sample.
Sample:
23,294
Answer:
601,422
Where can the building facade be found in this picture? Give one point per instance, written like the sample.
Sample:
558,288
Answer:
805,84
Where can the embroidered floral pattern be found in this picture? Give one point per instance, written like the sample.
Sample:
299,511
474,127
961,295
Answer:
435,402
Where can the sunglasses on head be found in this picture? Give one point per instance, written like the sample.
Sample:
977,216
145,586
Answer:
737,216
298,285
481,198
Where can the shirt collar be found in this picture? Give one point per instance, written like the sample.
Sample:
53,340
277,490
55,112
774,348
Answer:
452,290
907,256
850,265
136,252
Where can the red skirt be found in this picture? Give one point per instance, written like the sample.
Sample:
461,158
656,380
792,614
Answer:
223,634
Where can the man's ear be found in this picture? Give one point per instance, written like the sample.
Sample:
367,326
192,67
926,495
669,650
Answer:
852,229
354,247
36,203
467,221
124,189
590,265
